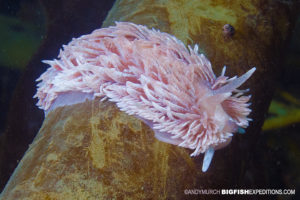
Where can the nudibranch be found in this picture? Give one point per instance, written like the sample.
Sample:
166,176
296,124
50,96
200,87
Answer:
154,77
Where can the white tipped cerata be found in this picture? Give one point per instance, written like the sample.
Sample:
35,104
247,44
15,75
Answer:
153,76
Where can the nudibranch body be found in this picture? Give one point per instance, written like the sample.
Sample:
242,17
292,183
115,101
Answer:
153,76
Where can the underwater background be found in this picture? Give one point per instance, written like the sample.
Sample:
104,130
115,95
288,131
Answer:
23,27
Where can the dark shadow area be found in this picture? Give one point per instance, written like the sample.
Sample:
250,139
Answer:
64,20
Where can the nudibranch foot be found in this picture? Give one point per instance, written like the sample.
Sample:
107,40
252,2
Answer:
69,98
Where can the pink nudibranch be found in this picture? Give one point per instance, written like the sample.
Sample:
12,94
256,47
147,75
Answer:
153,76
